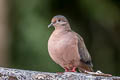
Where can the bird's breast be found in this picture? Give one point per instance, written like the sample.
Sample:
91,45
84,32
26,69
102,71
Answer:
62,49
60,43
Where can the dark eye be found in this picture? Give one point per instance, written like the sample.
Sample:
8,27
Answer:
59,20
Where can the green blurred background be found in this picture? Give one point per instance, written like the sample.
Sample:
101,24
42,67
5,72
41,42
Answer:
24,33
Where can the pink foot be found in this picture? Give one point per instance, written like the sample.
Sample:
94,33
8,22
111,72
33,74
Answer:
66,70
74,69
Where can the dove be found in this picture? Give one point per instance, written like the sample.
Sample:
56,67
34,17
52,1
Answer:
67,48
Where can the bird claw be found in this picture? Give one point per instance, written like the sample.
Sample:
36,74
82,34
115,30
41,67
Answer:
73,69
66,70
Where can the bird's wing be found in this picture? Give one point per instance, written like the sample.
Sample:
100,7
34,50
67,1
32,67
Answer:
84,54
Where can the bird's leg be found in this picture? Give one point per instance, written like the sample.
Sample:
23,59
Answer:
66,69
73,69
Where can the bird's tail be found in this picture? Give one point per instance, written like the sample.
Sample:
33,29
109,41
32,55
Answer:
85,67
89,69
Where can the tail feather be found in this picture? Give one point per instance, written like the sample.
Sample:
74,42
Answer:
84,67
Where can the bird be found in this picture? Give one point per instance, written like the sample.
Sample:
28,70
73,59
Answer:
67,48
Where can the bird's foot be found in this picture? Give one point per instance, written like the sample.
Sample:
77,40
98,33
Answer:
66,70
74,69
98,73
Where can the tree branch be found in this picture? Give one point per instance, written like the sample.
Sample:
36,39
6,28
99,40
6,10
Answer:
16,74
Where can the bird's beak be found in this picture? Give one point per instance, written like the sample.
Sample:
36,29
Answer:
51,24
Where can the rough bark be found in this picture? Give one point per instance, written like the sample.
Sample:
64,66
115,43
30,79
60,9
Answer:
17,74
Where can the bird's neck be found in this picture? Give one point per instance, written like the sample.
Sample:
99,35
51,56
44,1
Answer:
63,28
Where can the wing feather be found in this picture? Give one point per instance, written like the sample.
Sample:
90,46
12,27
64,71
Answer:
84,54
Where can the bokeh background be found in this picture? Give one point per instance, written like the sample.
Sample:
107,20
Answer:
24,33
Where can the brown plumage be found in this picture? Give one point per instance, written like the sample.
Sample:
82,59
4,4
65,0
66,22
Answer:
67,48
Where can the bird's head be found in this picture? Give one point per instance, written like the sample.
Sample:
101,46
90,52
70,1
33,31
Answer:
58,21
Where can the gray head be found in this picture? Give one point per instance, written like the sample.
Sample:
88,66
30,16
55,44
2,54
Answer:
58,20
